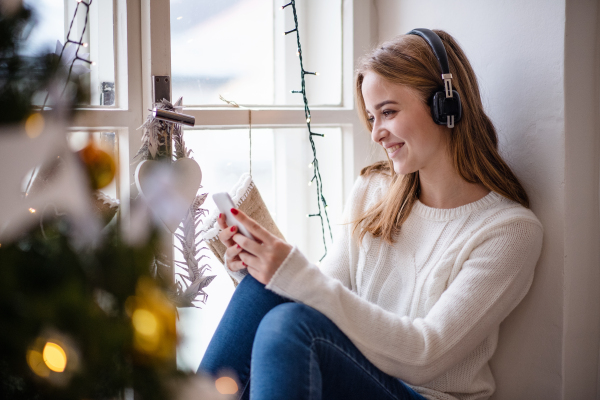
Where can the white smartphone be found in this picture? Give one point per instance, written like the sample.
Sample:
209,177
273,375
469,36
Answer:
225,204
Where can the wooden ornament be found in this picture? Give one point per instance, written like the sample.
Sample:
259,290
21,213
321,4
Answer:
169,188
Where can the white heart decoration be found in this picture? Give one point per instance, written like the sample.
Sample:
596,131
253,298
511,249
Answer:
169,188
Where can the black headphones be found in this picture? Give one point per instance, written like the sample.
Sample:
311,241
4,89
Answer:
446,108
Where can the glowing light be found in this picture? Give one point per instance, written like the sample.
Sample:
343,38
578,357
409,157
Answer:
310,183
310,165
226,385
308,120
144,322
36,363
34,125
316,73
32,210
178,18
85,45
55,357
93,62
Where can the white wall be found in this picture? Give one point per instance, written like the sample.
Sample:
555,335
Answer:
536,61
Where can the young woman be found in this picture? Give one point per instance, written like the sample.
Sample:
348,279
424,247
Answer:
439,247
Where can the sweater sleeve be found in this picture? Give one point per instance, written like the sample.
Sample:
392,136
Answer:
492,281
236,275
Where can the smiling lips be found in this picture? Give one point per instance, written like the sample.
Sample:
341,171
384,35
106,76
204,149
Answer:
393,148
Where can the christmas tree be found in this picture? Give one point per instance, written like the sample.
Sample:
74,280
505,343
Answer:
82,314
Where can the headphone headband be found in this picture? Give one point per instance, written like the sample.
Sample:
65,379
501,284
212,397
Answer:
436,45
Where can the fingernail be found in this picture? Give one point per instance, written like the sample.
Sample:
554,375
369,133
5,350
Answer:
232,228
244,264
238,246
234,211
220,215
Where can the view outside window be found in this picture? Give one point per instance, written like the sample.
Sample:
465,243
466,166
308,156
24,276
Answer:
236,48
281,171
53,18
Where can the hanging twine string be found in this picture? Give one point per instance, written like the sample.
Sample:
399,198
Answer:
234,104
321,203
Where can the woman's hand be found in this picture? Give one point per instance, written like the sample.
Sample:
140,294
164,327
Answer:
234,263
262,256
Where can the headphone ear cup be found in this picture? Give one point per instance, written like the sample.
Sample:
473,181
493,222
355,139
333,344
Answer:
442,107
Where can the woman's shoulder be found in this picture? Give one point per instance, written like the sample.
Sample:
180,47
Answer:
372,183
506,211
509,219
376,176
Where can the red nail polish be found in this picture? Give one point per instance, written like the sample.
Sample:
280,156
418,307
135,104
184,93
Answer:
234,211
220,215
238,246
232,228
244,264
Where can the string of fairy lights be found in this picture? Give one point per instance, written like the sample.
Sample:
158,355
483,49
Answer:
79,43
316,178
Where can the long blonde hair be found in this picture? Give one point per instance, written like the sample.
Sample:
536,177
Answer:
408,60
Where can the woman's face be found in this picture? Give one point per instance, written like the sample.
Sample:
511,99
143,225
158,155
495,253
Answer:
402,124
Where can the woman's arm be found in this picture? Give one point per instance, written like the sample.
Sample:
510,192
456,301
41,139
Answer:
492,281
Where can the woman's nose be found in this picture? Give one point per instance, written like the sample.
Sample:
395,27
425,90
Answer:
378,133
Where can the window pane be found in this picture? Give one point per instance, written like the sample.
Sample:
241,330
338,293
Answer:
281,171
53,18
235,48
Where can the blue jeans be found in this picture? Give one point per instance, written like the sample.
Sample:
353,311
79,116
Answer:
284,350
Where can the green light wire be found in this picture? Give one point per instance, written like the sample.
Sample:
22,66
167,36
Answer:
316,173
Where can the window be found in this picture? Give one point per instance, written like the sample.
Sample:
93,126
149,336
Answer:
147,41
50,33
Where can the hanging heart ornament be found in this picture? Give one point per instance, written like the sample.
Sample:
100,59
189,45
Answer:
169,188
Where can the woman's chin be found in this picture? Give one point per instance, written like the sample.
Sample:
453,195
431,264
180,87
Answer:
402,169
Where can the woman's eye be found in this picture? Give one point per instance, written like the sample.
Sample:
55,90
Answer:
388,112
371,119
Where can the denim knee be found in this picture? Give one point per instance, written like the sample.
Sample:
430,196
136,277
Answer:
284,323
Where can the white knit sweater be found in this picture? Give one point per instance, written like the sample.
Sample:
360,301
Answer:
426,309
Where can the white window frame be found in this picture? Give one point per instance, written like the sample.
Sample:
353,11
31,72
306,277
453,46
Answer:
143,48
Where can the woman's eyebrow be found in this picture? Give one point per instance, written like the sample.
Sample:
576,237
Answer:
383,103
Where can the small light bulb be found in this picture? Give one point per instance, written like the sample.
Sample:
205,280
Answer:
179,18
309,184
93,62
318,263
310,165
85,44
316,73
32,210
307,216
308,120
298,53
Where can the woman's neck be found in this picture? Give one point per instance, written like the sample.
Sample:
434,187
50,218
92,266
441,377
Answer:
445,188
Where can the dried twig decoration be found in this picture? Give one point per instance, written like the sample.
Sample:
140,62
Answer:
155,146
